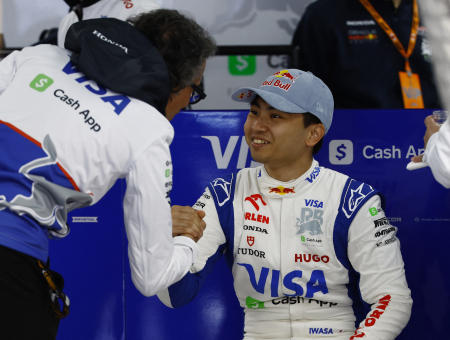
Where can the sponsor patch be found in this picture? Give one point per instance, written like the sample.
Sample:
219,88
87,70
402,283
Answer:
354,196
222,190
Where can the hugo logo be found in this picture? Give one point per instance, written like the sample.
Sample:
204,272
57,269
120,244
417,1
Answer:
313,257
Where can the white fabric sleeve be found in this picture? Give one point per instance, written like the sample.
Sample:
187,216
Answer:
213,236
211,240
8,67
69,19
374,252
437,154
157,260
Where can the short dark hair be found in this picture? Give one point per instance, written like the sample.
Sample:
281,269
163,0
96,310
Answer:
309,119
182,42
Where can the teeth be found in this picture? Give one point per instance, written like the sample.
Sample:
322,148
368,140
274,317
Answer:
260,141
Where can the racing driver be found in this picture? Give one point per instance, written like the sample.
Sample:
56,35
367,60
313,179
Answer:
311,250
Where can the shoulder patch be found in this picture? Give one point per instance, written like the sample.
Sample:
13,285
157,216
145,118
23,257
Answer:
221,188
355,194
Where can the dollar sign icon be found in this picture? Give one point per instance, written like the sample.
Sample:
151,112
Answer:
242,65
341,152
41,82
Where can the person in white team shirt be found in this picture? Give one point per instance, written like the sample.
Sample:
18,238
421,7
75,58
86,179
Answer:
91,9
436,14
437,150
72,122
311,251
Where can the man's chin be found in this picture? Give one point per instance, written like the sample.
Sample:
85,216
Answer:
257,157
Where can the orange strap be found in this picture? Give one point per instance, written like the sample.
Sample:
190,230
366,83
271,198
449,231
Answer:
386,28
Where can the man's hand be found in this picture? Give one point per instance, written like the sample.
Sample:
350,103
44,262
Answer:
187,221
432,128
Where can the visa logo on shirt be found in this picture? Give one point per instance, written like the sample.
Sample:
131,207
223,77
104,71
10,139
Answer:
313,175
316,282
314,203
118,101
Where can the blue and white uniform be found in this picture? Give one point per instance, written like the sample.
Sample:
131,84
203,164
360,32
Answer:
303,253
64,142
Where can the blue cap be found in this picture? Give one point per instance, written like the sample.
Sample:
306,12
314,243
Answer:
293,91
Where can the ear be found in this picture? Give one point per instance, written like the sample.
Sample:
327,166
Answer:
315,134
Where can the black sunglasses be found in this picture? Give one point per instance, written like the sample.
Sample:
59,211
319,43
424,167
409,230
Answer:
197,94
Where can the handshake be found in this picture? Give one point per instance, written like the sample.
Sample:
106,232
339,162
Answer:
187,221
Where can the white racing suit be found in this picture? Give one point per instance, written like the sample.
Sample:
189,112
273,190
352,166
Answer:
303,253
64,142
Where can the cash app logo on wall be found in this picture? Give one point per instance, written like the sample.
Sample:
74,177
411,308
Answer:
242,65
41,82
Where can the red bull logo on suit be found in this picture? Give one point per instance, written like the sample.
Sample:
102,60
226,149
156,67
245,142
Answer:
280,190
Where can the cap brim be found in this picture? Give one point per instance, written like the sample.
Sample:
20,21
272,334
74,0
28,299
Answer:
247,94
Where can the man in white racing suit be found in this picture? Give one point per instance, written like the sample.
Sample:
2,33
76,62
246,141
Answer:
311,251
72,123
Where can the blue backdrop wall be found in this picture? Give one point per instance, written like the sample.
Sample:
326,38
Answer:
371,145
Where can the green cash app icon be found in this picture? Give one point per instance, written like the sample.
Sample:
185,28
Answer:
373,211
253,303
41,82
242,65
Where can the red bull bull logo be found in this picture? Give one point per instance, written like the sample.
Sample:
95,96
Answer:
285,74
282,190
244,95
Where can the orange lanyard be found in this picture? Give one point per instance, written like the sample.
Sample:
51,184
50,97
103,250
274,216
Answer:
398,45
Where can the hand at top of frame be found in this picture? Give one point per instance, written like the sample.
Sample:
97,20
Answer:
431,128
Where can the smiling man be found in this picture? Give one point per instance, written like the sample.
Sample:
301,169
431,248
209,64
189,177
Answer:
311,250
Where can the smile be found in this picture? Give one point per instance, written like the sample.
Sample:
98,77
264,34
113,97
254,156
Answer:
259,141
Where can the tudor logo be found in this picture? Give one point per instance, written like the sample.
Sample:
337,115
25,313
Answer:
250,240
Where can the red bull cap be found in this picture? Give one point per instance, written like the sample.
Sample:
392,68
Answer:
293,91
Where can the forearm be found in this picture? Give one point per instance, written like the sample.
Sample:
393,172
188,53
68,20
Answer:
374,251
210,249
153,271
386,318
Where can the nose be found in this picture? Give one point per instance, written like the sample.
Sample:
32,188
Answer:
259,123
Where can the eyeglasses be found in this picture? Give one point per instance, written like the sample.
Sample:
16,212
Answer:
197,94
